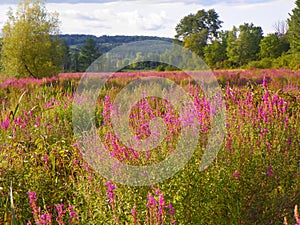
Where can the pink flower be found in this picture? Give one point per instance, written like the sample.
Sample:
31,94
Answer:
45,219
72,213
270,172
151,201
236,175
110,191
5,124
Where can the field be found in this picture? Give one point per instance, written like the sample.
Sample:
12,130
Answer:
255,178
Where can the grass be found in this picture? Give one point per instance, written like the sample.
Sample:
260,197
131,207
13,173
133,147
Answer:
255,179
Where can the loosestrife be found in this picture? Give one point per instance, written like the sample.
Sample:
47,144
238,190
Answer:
158,210
270,171
60,212
236,175
5,124
73,215
32,202
172,213
134,213
46,218
111,197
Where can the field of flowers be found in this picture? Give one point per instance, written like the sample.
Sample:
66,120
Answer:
255,178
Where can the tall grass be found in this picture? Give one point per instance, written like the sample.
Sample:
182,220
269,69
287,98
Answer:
254,180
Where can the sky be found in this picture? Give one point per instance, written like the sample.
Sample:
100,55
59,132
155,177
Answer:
155,17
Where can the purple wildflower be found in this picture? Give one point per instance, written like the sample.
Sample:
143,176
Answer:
110,191
5,123
236,175
270,172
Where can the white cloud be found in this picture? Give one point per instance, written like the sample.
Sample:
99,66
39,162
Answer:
160,17
264,14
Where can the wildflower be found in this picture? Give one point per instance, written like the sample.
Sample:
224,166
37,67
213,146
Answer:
172,212
236,175
110,191
270,172
171,209
151,201
162,204
32,202
5,123
45,158
135,215
45,219
60,213
72,213
110,195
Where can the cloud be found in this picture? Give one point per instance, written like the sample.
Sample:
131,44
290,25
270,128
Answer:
201,2
159,17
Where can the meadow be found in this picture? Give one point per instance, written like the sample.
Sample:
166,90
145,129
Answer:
255,178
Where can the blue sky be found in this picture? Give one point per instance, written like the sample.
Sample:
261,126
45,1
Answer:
156,17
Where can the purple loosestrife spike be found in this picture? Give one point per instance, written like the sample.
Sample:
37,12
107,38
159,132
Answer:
162,204
134,213
5,124
32,202
151,203
171,209
270,172
60,212
236,175
45,219
72,213
110,191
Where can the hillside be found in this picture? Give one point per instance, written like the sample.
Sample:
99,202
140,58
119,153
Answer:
105,43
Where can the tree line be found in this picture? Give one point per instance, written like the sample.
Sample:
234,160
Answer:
31,47
243,46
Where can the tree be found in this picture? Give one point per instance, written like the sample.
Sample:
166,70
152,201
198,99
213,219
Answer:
243,44
88,54
29,47
65,56
294,28
74,67
272,46
215,53
196,30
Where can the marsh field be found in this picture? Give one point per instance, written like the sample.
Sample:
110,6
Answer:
255,178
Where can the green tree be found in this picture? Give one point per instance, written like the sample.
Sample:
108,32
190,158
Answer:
30,48
243,44
88,54
215,53
196,30
74,66
294,28
272,46
65,56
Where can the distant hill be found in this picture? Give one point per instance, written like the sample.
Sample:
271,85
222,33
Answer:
105,42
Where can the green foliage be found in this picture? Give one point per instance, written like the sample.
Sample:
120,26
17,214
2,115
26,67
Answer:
88,54
288,60
243,44
294,27
196,29
254,180
214,53
272,46
28,49
261,64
